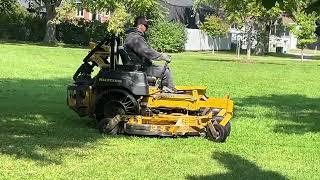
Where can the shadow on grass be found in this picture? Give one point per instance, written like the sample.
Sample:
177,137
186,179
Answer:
22,43
218,60
241,61
270,63
295,56
36,124
296,113
238,168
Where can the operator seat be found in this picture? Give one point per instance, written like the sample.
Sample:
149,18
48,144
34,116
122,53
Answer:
126,62
124,55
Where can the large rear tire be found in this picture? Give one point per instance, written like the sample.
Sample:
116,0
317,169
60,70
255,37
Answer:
111,124
115,102
110,106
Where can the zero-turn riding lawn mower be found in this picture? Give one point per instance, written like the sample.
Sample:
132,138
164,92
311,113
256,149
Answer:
124,100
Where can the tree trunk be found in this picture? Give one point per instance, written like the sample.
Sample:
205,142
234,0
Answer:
267,38
213,45
302,54
249,51
238,48
263,38
50,36
249,40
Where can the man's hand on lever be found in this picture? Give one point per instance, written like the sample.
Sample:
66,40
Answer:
165,57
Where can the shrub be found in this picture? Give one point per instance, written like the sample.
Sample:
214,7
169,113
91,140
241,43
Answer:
167,36
19,25
23,26
32,28
80,32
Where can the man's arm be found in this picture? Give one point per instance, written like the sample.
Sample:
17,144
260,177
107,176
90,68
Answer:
140,47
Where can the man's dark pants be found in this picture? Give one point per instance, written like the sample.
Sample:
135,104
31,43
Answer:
155,70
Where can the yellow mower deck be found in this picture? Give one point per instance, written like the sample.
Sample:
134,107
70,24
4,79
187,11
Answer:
178,124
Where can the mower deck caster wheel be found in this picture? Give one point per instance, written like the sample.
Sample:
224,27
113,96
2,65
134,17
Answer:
227,128
216,133
109,126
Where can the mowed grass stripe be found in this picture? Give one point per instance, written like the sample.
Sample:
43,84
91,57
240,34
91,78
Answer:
275,130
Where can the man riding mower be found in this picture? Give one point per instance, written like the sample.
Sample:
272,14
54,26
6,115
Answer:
125,98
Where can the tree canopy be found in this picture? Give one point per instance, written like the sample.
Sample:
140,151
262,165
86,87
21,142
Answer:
124,11
313,5
256,17
7,6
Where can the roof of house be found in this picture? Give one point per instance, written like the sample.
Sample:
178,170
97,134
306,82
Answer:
182,3
287,20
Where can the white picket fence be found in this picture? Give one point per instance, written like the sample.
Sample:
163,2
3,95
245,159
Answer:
200,41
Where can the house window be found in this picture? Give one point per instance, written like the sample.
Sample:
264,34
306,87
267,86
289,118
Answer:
96,16
234,26
79,11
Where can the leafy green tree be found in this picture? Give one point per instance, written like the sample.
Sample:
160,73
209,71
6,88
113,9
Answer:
55,11
7,6
260,15
51,15
288,5
215,27
245,14
254,16
303,13
124,11
263,25
304,29
250,16
313,7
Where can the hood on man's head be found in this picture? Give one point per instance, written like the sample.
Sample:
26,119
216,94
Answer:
141,20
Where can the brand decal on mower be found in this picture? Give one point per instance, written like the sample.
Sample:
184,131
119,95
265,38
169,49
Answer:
110,80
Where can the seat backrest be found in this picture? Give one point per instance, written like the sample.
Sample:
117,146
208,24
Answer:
124,55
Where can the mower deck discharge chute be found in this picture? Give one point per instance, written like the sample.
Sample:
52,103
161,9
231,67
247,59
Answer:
124,100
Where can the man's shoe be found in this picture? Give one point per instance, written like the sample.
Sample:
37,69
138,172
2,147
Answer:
165,89
171,90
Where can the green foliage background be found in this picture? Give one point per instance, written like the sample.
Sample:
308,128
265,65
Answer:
25,27
81,32
305,28
7,6
167,36
214,26
20,26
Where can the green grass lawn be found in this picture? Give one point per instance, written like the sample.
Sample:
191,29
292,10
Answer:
275,130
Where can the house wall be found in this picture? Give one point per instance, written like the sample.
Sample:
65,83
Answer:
102,17
200,41
287,42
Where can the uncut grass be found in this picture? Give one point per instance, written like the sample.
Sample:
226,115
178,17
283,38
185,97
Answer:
275,129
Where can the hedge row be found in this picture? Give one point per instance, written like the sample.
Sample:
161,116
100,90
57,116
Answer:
164,36
80,33
33,28
25,28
